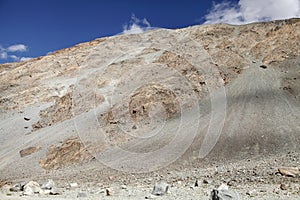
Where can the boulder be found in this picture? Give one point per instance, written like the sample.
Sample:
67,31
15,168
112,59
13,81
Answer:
160,188
223,193
32,188
48,185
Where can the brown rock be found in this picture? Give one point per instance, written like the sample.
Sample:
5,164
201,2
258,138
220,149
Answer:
289,171
283,186
3,182
29,150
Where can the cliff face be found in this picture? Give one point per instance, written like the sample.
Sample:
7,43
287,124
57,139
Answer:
129,87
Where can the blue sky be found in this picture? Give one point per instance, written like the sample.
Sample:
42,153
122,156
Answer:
32,28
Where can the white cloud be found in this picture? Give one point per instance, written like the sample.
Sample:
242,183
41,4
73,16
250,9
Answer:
25,58
3,55
136,26
247,11
14,57
13,52
17,47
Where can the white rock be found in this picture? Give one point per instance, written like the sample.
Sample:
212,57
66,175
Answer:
48,185
223,187
28,191
31,188
223,193
160,188
73,185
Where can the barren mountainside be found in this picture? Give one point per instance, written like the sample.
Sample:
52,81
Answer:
201,95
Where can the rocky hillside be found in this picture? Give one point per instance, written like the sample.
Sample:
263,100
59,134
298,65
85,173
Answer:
199,94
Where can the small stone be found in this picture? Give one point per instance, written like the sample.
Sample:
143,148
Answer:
73,185
263,66
26,118
289,171
28,151
223,193
151,196
48,185
123,187
196,183
108,192
81,195
283,186
160,188
206,181
251,193
231,183
54,191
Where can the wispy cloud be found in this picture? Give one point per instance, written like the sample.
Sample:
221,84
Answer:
17,47
13,53
136,26
3,55
247,11
14,57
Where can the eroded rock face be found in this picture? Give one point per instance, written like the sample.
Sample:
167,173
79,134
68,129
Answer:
143,102
60,111
69,152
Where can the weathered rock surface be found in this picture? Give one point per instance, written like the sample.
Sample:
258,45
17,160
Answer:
70,151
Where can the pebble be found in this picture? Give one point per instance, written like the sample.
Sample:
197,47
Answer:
283,186
207,181
151,196
196,184
251,193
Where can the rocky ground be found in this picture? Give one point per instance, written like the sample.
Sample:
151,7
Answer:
257,178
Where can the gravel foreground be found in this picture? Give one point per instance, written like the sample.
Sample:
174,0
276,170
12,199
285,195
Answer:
249,179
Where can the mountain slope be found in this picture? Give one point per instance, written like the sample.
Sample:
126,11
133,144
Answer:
165,96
